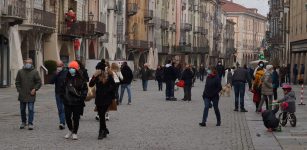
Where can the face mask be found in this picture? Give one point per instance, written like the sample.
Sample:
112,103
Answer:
219,63
59,69
209,71
261,65
72,71
28,66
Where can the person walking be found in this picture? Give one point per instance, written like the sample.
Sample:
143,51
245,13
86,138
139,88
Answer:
257,86
267,88
159,77
58,79
118,77
275,82
220,69
126,83
105,93
283,74
83,71
239,79
170,76
194,71
27,83
295,73
202,70
187,77
288,78
145,75
73,93
211,95
228,77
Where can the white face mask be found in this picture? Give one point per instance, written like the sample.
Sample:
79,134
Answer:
59,69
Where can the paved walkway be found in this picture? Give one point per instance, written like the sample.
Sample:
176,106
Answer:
149,123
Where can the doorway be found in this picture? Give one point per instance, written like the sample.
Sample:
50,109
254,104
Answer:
4,62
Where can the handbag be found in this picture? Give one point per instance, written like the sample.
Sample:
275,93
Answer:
91,93
113,106
180,83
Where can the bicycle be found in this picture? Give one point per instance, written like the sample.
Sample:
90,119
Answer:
289,116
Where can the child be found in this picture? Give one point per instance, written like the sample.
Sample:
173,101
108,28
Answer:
288,101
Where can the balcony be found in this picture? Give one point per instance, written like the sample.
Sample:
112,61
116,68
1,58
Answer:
197,30
287,4
186,27
165,49
121,39
164,24
204,31
44,18
77,29
203,50
132,9
148,15
172,27
12,10
151,23
105,38
182,48
96,28
138,44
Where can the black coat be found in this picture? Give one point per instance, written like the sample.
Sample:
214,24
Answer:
105,92
74,90
145,73
213,87
220,70
159,75
269,118
202,71
170,73
187,76
58,80
127,74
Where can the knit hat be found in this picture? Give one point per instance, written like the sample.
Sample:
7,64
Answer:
268,67
74,64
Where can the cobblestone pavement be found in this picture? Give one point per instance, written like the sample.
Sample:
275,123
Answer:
149,123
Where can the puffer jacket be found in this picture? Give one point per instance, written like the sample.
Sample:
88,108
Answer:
290,99
267,85
257,81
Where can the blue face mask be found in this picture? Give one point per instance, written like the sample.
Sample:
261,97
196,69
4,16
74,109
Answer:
209,71
72,71
261,65
28,66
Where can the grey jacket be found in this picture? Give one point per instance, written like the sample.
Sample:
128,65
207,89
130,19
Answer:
290,99
241,75
26,80
267,85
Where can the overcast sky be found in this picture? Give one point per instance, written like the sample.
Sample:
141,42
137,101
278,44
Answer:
261,5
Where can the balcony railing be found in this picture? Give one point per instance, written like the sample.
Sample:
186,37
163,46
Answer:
121,39
96,28
164,24
132,9
204,31
172,27
198,30
148,15
138,44
105,38
77,29
183,48
186,27
15,9
151,23
44,18
165,49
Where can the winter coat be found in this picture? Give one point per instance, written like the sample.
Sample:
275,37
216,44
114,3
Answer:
58,80
84,74
275,79
145,73
105,92
127,75
159,75
74,90
269,118
212,87
26,81
220,70
241,75
170,73
187,76
290,99
257,81
202,71
267,84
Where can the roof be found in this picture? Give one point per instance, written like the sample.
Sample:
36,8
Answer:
231,7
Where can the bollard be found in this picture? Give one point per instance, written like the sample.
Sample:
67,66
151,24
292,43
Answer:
302,95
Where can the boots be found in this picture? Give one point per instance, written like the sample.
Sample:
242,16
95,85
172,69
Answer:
102,134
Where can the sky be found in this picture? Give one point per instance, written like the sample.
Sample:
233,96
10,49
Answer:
261,5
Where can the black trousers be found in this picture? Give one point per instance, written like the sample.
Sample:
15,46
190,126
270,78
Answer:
72,117
102,112
187,92
275,93
160,84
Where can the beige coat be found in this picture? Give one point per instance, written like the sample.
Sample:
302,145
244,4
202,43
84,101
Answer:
267,86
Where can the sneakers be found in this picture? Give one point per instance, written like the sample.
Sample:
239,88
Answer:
22,126
129,103
68,135
218,124
61,126
30,127
74,137
107,117
202,124
236,109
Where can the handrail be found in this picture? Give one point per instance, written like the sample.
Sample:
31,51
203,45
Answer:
45,69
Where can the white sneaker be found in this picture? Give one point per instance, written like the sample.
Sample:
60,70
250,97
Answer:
107,116
74,137
68,135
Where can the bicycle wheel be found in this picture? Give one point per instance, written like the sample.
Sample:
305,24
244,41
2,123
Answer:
281,121
292,120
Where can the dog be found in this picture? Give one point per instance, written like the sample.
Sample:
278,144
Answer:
226,89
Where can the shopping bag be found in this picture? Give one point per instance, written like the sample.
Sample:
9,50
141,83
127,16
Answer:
113,106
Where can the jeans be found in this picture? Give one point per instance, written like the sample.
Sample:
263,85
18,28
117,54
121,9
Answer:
268,101
239,88
116,92
169,90
216,109
102,112
201,77
60,106
122,90
160,84
72,116
187,92
23,114
144,83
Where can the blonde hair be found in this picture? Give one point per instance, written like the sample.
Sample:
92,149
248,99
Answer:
114,67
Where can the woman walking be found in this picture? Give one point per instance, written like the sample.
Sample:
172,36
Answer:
159,77
211,94
105,92
73,93
187,77
267,89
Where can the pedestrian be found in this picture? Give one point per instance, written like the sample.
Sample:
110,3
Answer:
228,76
283,74
257,85
267,88
211,95
202,70
27,83
83,71
145,75
73,92
302,70
159,77
105,93
275,82
100,66
288,80
194,71
239,79
187,77
58,79
295,73
170,76
220,69
126,83
118,77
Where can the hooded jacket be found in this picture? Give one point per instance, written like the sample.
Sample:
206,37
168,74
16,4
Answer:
290,99
127,74
170,73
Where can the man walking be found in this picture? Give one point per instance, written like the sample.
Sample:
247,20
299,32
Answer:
58,80
239,79
220,70
170,76
145,74
27,83
202,72
126,82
